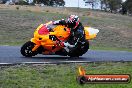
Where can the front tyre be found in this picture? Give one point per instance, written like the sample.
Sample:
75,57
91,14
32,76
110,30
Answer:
26,49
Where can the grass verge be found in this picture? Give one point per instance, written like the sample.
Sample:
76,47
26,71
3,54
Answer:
110,48
60,76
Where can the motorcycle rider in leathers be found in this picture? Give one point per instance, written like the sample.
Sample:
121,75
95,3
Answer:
76,31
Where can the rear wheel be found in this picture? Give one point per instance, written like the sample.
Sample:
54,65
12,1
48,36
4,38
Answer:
84,48
26,49
80,50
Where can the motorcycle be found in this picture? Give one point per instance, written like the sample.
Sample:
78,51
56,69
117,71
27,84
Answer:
47,41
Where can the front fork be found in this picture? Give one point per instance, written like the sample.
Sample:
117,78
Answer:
37,44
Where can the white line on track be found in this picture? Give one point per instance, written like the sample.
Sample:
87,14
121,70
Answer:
59,62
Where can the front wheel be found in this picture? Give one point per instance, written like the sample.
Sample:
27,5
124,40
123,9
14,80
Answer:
26,49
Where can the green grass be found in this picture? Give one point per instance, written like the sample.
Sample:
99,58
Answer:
110,48
60,76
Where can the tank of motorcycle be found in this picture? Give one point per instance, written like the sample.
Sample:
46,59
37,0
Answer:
90,33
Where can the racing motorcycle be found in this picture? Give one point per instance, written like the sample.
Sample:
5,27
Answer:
47,41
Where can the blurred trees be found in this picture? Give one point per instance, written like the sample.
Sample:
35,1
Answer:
117,6
31,2
91,2
128,4
123,8
104,5
113,6
50,2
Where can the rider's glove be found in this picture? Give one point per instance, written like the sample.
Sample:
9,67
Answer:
62,22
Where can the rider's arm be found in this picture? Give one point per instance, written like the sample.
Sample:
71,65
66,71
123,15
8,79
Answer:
77,36
60,22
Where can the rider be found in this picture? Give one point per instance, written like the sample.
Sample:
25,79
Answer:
76,30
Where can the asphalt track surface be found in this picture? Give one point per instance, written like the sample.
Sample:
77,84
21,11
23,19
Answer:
11,54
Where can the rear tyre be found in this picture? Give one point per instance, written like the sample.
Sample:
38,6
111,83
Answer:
26,49
80,50
84,47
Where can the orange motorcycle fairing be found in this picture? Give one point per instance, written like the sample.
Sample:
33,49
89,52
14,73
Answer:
45,37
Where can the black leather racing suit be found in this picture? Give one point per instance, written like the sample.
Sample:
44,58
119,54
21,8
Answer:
76,35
